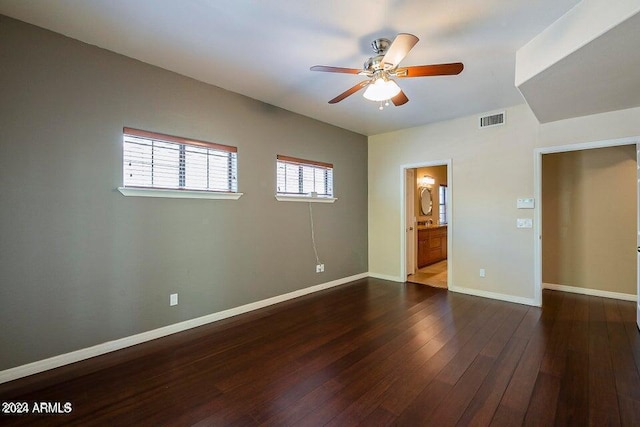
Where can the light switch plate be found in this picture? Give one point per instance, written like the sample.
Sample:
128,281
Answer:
524,223
525,203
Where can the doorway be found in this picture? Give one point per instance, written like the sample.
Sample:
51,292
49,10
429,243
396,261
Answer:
566,218
427,223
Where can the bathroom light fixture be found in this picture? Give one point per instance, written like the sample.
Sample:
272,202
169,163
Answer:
427,181
381,90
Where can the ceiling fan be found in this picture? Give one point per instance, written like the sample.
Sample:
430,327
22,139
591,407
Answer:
381,68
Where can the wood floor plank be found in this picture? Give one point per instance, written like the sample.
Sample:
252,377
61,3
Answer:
603,399
510,346
548,390
427,363
366,383
544,398
506,417
378,418
456,401
449,365
628,312
365,372
467,353
482,407
337,404
505,331
579,338
424,405
371,352
625,371
629,411
515,401
626,376
573,398
256,379
558,341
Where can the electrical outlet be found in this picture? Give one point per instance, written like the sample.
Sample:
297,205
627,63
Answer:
320,268
482,272
524,223
173,299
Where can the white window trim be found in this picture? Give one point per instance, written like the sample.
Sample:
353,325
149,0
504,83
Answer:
309,199
177,194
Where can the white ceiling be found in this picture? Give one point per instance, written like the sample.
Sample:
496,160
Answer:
263,49
600,76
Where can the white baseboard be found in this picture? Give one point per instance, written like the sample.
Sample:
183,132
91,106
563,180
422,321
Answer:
592,292
386,277
469,291
107,347
494,295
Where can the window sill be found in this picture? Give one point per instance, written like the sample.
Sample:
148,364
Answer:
177,194
309,199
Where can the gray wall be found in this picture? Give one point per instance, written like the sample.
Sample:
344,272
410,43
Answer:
80,264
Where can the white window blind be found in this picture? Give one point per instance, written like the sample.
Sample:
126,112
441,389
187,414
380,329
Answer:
442,197
153,160
298,177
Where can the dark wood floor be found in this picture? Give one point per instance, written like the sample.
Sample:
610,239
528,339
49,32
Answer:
371,353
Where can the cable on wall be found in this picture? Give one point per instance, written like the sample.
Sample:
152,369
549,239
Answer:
313,235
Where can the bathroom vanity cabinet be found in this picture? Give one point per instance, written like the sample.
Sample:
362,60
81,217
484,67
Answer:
432,245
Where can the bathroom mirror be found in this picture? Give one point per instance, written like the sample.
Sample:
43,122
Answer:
425,201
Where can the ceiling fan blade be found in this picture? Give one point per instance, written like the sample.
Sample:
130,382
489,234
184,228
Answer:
400,99
335,69
401,45
349,92
430,70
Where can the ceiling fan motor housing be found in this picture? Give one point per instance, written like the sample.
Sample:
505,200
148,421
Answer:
374,64
380,46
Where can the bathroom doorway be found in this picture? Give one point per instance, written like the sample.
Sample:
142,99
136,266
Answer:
427,208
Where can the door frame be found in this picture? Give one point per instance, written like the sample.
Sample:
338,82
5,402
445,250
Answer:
403,217
411,257
537,194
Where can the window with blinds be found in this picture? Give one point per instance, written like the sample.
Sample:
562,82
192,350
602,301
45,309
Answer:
298,177
153,160
442,204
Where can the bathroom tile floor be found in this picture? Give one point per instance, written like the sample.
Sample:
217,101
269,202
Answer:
432,275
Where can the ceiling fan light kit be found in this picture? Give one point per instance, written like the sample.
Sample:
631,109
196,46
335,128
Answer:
380,68
381,90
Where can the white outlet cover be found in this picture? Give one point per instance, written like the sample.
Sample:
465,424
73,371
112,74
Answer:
173,299
524,223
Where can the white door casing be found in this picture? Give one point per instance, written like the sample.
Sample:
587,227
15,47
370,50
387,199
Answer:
410,221
638,233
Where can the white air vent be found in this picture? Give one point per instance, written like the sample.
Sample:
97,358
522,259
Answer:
497,119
